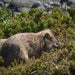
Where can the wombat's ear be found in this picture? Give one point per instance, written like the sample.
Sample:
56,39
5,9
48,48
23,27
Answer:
46,35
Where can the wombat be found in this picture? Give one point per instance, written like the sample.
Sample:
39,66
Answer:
23,46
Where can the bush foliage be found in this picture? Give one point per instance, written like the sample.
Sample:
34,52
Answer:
58,61
71,12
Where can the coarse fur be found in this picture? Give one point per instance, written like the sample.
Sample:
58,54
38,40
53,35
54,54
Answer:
26,45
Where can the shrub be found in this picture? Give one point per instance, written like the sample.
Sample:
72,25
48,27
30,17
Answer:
71,12
1,60
57,61
36,14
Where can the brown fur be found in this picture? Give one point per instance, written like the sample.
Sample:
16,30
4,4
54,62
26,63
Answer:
26,45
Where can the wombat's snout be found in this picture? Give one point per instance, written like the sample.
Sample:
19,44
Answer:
57,45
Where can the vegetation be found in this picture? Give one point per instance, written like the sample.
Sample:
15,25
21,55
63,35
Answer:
57,61
71,12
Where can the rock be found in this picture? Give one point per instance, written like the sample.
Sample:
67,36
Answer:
26,5
47,7
42,7
35,5
1,4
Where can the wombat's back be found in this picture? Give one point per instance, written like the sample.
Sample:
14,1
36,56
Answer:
11,48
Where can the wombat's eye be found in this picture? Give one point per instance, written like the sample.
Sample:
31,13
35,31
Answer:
51,37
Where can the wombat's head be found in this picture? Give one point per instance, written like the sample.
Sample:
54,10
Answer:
50,40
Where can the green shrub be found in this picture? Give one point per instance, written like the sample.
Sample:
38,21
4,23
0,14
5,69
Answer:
36,20
36,14
1,33
5,15
57,61
72,13
1,60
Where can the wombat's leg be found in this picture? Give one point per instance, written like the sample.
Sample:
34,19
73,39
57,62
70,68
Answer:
26,55
23,54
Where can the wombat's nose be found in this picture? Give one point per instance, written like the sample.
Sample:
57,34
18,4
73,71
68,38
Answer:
56,45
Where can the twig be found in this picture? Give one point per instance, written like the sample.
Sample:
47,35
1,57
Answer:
33,72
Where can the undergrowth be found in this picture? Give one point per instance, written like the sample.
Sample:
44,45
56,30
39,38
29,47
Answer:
57,61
